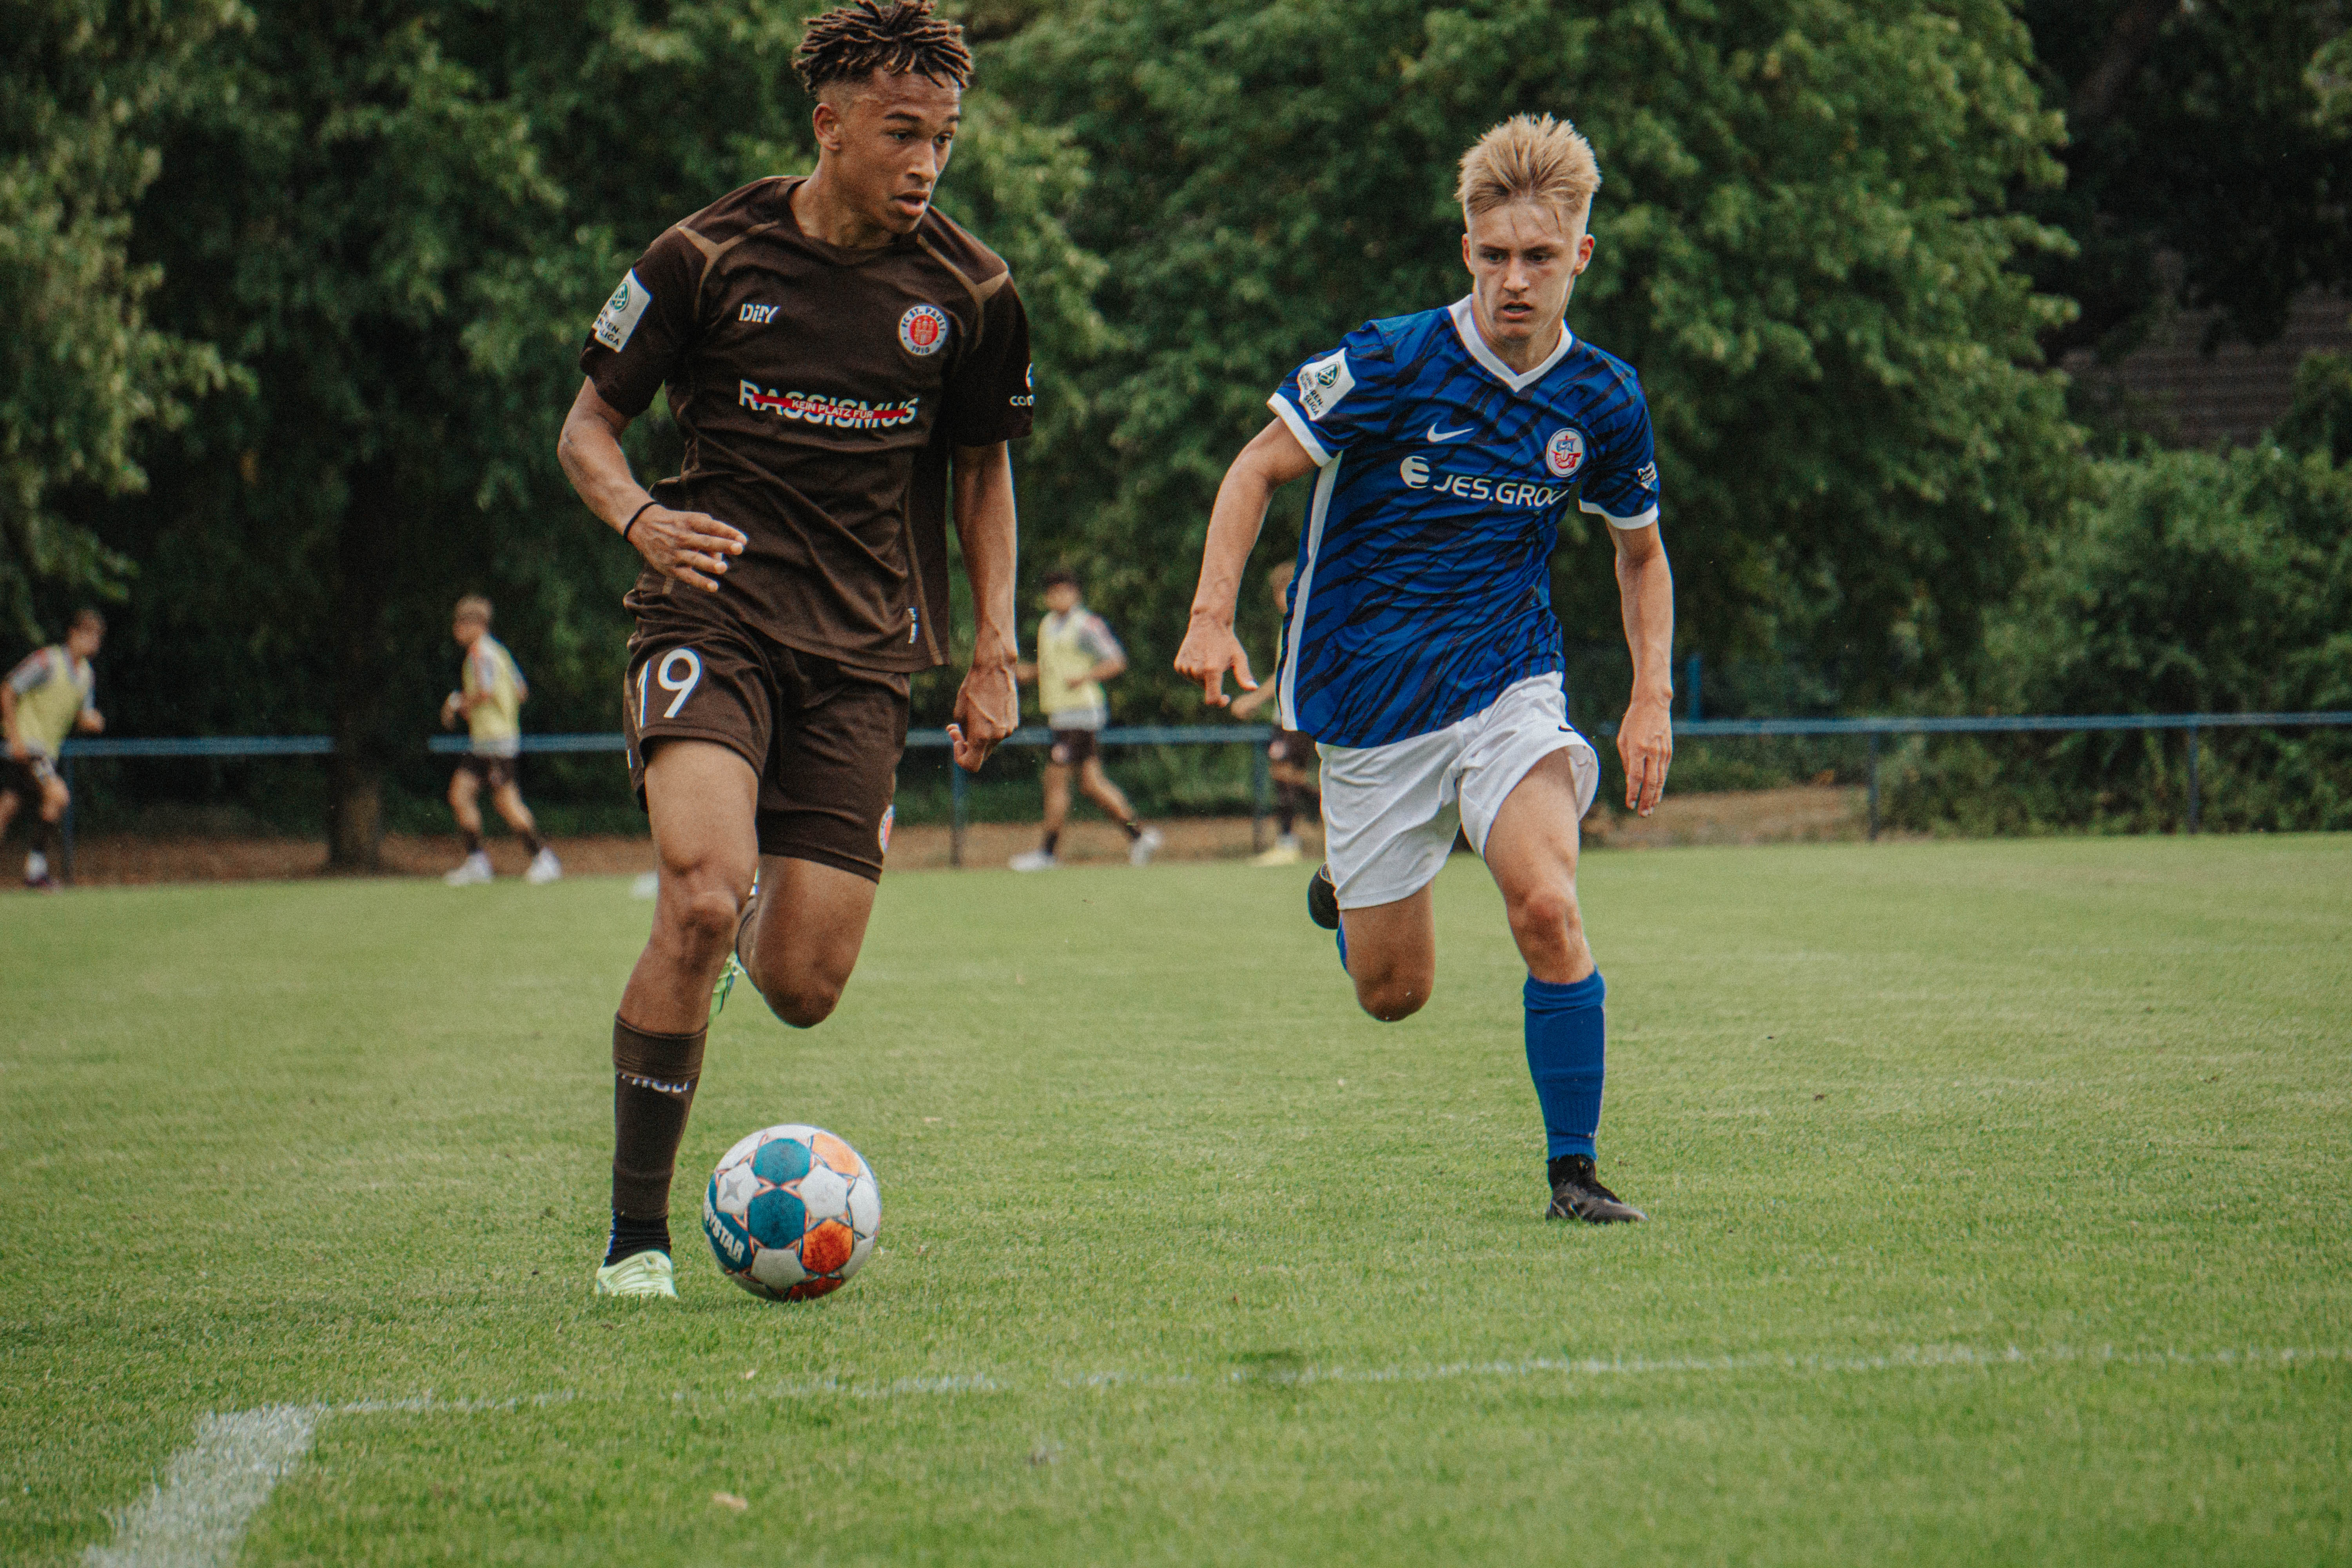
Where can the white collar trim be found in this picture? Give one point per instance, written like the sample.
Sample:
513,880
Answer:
1464,311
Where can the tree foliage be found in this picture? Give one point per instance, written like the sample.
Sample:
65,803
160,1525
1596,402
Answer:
2188,581
2209,161
398,219
1820,234
1805,249
82,371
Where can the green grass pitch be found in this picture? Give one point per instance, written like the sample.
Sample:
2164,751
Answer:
2002,1203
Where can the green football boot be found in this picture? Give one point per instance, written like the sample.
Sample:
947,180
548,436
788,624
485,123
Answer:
639,1274
734,970
726,986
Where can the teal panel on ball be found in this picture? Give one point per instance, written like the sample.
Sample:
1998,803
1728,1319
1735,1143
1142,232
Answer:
777,1218
785,1160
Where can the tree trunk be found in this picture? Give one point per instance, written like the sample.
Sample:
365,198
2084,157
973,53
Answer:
2137,27
365,562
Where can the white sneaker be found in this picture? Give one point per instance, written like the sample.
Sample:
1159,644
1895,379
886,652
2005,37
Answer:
544,867
474,868
36,866
1284,852
1140,853
1032,860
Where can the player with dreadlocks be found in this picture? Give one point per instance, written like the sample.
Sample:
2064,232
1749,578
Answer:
847,367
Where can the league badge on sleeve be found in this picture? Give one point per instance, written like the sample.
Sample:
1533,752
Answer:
1564,453
923,329
1323,383
618,319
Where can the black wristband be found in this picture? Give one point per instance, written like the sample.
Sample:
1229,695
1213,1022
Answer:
632,519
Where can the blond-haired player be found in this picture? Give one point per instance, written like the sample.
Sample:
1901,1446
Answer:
1420,648
490,698
46,699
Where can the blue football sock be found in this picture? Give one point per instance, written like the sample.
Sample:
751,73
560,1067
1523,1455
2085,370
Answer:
1342,934
1566,1038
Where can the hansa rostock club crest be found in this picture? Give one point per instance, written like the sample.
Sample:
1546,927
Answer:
1564,453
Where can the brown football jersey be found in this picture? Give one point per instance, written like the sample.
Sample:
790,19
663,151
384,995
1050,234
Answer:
819,391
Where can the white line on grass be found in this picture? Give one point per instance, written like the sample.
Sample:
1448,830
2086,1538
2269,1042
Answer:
1913,1358
217,1484
214,1486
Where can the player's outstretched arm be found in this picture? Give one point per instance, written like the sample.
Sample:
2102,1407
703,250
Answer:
691,546
988,705
1271,460
1645,592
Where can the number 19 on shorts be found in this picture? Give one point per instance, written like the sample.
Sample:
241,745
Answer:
677,672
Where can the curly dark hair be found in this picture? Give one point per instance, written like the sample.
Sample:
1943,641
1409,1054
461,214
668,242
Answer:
851,42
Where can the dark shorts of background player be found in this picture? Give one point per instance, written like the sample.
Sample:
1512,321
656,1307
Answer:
26,779
1293,747
1072,748
493,773
824,738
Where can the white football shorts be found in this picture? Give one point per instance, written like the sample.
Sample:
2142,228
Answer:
1390,813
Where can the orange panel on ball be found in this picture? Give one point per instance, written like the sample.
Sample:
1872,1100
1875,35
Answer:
835,1153
826,1247
809,1289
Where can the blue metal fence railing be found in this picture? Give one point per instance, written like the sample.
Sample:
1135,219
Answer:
200,746
1998,725
1255,735
225,746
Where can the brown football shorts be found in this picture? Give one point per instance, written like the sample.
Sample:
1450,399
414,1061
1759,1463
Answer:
25,779
824,738
493,773
1072,748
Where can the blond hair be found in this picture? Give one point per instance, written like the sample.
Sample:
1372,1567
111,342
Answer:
1530,158
473,607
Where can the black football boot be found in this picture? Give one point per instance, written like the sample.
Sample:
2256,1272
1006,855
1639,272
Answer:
1577,1193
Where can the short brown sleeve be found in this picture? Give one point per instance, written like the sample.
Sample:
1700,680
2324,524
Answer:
647,326
990,397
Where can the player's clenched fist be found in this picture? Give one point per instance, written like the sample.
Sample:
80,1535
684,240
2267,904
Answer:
691,546
987,710
1210,650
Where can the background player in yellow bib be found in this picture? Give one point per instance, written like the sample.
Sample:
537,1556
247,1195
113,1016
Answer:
490,698
1076,654
45,699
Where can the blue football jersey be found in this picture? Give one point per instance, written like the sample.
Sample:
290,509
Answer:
1424,583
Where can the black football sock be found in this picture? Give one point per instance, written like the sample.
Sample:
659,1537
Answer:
46,841
1288,798
531,843
631,1236
1134,830
653,1089
473,841
1053,839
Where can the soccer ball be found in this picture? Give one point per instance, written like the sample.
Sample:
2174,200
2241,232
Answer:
791,1213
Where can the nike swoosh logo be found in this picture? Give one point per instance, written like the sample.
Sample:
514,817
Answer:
1437,434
